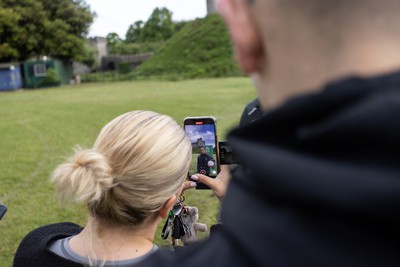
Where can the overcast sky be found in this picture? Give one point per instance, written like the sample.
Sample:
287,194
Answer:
117,15
206,132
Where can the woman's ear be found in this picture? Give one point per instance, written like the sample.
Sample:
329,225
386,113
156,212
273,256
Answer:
244,32
163,212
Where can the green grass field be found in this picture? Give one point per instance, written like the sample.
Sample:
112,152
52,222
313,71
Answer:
39,128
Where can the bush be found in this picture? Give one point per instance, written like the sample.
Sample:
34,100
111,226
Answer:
124,68
51,79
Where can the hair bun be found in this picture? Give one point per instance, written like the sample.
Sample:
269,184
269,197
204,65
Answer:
84,178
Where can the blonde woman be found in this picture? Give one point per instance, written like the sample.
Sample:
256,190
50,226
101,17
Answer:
129,181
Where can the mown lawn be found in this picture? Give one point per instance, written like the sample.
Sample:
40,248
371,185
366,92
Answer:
39,127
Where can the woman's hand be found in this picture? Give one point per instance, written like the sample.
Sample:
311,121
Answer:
218,184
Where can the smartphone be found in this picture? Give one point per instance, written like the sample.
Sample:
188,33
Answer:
202,134
226,154
3,210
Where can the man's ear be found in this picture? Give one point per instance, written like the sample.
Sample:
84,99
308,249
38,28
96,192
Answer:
163,212
244,32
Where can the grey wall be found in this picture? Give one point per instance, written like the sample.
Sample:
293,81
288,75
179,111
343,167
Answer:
100,43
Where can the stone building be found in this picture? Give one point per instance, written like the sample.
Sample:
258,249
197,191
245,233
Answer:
100,44
199,143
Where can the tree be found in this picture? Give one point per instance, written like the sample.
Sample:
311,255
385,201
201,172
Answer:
113,39
89,55
134,31
159,26
113,42
145,37
31,28
178,25
8,25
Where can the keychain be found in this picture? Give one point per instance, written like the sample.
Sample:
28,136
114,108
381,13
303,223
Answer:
182,224
189,216
174,223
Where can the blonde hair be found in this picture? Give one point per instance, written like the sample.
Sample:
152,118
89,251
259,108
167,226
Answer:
139,160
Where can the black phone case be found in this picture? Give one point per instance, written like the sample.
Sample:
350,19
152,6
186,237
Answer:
191,121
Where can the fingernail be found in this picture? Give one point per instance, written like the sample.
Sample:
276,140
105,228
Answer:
194,177
193,184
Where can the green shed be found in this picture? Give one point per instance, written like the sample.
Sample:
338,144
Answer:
45,73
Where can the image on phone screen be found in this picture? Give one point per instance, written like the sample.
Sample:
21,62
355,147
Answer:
202,135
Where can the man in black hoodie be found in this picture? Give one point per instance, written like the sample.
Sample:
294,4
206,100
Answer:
204,162
321,179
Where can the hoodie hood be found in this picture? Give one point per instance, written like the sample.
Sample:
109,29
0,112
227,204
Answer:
324,166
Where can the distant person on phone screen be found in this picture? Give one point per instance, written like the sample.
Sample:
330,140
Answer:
204,162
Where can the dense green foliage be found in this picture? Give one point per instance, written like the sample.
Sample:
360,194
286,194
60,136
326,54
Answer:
30,28
40,127
113,40
134,32
159,26
201,49
145,37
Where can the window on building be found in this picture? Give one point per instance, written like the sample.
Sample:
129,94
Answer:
39,70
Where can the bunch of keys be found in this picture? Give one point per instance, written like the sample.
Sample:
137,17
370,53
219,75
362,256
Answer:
182,223
175,222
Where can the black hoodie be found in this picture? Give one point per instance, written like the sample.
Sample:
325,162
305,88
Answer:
320,184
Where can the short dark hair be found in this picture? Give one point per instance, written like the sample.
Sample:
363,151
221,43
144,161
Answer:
330,17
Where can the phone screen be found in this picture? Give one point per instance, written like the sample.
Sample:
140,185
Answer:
203,137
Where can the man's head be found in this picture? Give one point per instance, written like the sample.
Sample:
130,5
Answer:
293,46
202,150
